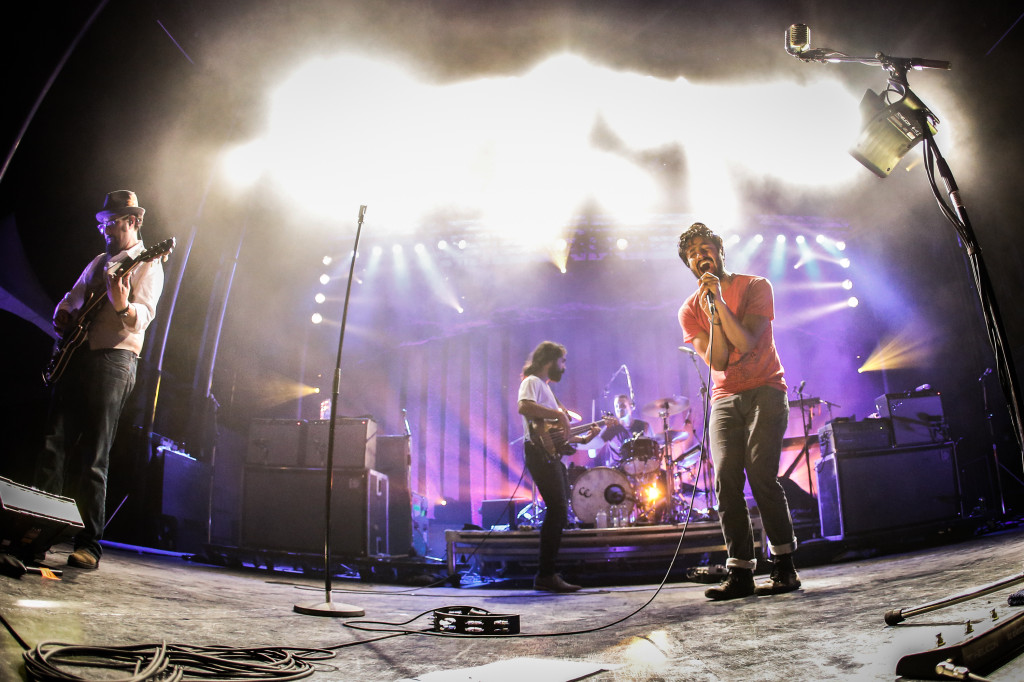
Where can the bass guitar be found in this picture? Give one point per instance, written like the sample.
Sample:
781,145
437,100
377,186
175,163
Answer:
78,331
548,435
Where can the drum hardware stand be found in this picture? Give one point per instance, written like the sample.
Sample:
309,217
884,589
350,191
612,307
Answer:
805,451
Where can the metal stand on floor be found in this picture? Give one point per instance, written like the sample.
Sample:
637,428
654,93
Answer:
328,607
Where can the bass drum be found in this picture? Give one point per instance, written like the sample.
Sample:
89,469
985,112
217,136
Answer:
600,489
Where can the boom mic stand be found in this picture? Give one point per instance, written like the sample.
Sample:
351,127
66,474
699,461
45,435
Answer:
327,607
797,44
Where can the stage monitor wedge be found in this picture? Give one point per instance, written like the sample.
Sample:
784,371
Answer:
31,521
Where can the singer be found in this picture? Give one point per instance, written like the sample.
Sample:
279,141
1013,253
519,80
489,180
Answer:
728,319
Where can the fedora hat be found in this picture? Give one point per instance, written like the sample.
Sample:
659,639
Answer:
120,202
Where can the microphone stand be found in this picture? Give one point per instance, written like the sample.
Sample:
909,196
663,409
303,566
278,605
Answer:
327,607
806,449
957,214
705,471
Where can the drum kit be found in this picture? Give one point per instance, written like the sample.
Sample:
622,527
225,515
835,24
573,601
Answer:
653,482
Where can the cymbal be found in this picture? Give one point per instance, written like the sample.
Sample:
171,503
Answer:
671,405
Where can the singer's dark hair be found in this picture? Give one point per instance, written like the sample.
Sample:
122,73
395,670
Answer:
698,230
546,352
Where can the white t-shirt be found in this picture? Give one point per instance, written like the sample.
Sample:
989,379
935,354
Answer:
536,389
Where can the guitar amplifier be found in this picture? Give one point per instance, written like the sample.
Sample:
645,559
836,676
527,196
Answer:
276,442
845,436
355,443
916,416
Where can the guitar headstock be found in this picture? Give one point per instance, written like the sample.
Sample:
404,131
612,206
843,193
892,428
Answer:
161,250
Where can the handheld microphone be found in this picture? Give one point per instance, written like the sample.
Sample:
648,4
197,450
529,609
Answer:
706,267
687,350
800,388
798,39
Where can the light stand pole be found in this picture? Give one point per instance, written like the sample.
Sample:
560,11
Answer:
328,607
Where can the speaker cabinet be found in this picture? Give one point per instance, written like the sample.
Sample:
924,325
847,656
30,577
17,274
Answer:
32,520
355,443
283,509
866,492
393,457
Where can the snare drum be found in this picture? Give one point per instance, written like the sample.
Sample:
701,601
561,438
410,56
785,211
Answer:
640,456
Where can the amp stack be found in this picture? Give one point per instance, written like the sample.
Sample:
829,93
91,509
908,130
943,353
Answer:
890,473
285,488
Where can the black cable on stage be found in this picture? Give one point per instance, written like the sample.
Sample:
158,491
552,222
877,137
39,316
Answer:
49,661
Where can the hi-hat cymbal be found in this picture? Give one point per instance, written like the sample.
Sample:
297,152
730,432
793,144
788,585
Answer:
671,405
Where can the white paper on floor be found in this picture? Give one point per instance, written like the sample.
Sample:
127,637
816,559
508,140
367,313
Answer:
518,669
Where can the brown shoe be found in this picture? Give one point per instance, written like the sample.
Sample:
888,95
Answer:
83,558
553,583
738,584
783,578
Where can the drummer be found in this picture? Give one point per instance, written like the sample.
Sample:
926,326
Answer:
608,444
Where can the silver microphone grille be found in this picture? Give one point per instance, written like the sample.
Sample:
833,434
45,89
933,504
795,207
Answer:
798,39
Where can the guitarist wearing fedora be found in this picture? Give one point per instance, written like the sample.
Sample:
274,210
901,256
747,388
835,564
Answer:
92,388
538,405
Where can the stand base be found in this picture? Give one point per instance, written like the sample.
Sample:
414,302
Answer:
330,609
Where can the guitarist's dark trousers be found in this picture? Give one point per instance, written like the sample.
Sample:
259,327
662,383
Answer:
87,403
552,482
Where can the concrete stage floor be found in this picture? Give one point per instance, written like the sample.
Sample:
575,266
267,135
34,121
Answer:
831,629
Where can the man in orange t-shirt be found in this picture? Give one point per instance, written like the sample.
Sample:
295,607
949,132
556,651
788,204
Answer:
728,319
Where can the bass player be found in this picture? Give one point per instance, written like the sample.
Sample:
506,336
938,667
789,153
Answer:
541,410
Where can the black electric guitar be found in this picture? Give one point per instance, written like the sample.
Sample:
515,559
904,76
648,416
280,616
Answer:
548,435
78,331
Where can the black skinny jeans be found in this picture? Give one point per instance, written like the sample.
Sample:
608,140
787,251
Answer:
553,484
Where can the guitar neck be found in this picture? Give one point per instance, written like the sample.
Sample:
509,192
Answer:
576,430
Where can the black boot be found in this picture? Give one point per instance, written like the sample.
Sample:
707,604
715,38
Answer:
739,583
783,577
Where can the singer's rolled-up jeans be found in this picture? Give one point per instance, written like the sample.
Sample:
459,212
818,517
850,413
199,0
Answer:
746,432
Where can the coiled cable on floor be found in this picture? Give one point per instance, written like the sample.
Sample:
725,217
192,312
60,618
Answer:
50,661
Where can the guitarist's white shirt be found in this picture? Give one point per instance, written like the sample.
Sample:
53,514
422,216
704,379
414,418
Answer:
536,390
108,330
